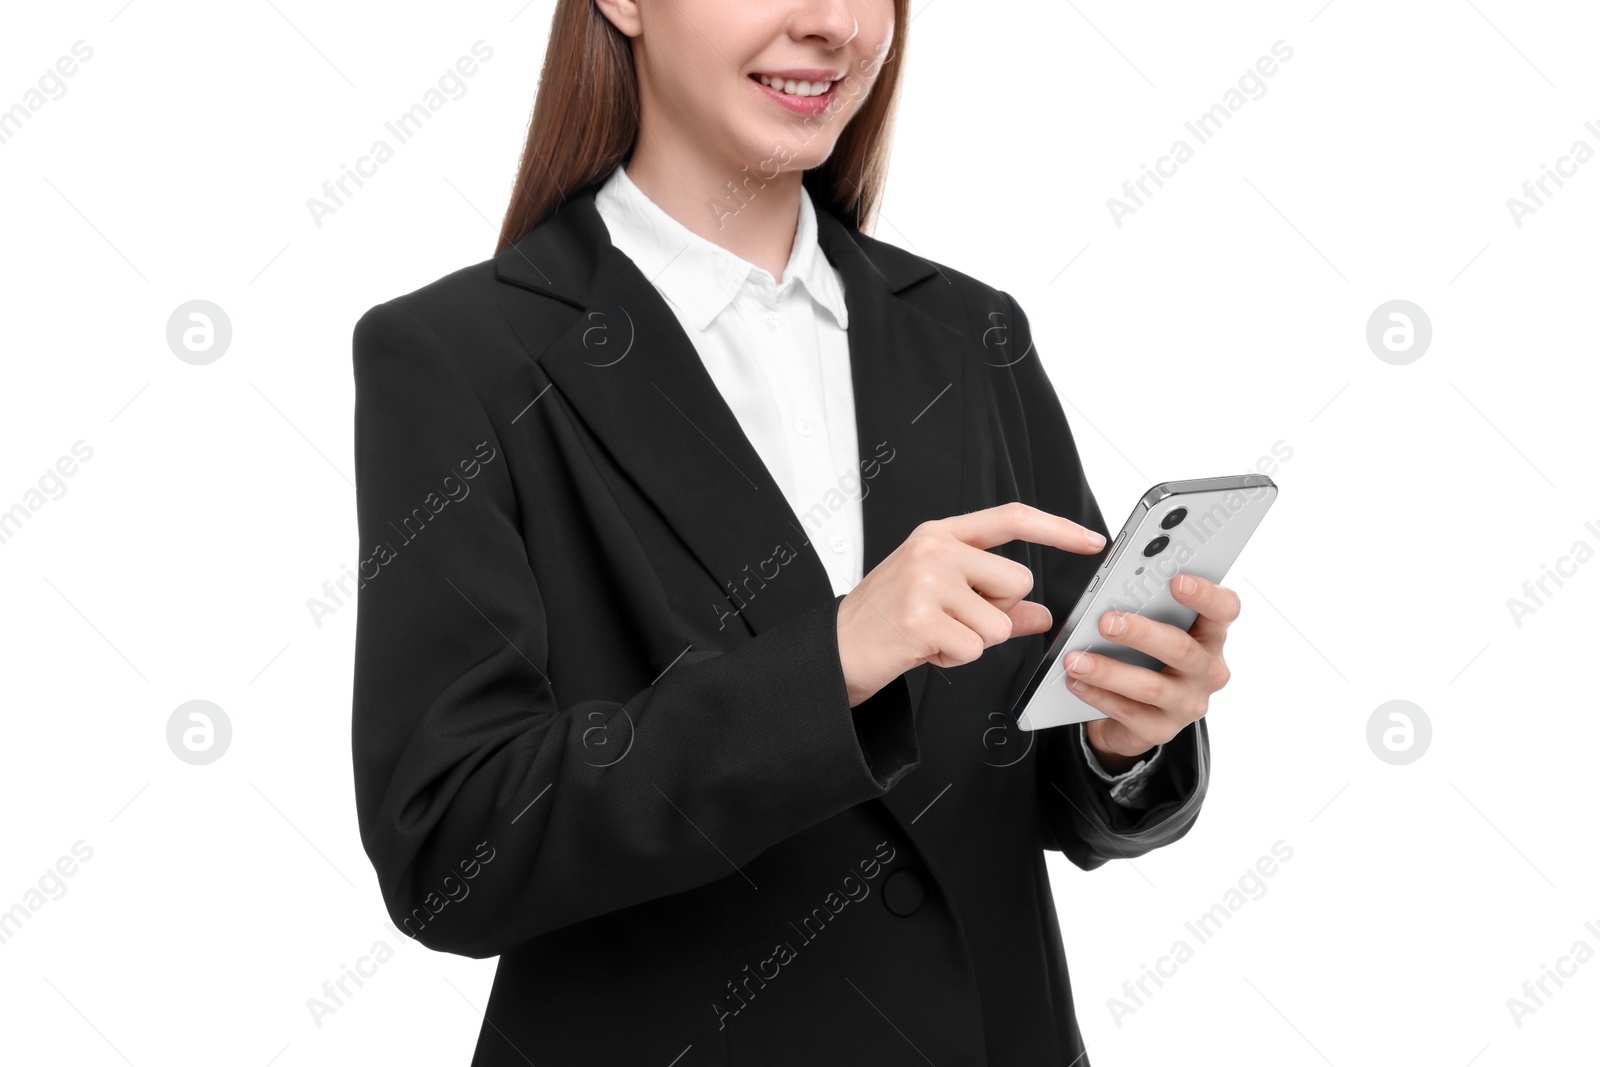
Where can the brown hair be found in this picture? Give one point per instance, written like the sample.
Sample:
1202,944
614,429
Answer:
586,120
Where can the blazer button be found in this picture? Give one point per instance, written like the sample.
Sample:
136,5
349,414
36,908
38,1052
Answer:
903,892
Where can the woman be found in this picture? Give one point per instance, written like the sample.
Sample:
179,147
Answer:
693,523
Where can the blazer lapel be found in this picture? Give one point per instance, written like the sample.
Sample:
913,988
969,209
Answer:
907,378
624,363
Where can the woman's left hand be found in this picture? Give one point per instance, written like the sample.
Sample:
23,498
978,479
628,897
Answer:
1146,707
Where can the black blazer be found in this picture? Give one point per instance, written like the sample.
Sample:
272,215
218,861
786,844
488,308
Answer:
600,724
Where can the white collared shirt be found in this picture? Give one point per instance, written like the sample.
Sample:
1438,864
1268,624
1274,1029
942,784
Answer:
779,354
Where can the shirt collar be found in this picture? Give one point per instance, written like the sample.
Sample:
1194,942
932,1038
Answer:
700,277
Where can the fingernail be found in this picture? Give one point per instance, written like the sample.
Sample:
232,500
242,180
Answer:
1096,539
1186,584
1078,663
1117,624
1076,686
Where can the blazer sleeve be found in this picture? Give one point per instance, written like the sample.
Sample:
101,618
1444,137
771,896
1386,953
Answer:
1078,816
463,748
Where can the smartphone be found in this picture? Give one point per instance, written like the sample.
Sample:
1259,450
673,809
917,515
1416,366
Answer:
1194,527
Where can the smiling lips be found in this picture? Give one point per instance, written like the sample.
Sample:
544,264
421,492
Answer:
804,92
815,85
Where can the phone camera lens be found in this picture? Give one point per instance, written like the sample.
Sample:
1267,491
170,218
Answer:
1156,546
1173,517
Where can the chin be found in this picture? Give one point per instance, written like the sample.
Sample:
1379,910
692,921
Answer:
774,150
815,155
791,156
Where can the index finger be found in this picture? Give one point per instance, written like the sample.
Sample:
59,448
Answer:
1017,521
1216,607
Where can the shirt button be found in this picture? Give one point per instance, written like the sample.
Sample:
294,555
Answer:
804,426
839,544
770,321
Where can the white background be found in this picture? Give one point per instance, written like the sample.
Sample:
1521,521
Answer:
1227,314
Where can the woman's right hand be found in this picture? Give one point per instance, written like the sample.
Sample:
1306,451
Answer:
940,598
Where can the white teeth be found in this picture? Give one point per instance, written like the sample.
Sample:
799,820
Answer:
794,88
